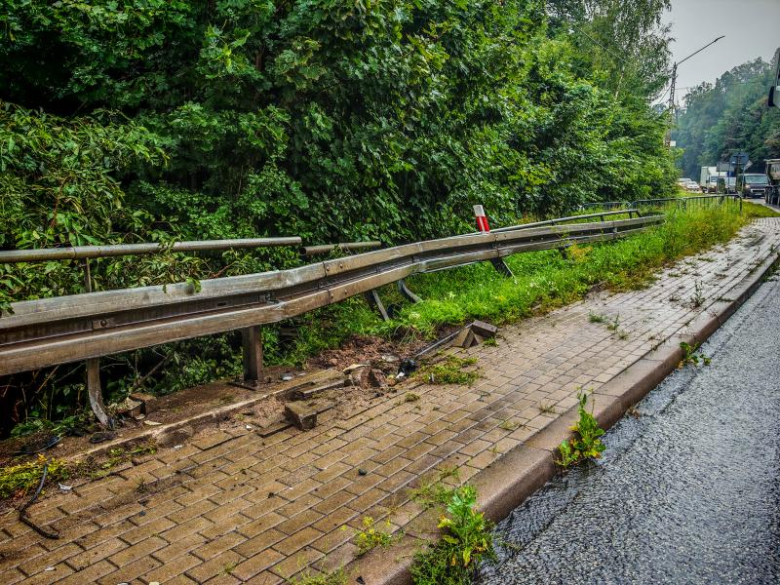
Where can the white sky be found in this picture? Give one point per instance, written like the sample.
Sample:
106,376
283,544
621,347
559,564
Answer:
752,29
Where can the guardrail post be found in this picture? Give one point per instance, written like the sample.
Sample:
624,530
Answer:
94,389
252,341
501,267
407,293
373,299
96,393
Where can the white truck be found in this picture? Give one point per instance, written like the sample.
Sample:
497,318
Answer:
709,179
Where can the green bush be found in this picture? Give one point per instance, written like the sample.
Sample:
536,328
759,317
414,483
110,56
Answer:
158,120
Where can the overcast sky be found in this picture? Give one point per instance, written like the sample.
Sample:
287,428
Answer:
752,29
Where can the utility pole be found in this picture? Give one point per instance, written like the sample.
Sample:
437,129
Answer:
672,106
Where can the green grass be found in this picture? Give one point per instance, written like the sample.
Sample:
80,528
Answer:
546,280
543,281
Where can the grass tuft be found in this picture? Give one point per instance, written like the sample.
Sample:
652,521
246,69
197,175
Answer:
450,370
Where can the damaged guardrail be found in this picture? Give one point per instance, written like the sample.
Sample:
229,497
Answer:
41,333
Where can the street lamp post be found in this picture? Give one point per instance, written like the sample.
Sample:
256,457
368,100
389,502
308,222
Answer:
680,62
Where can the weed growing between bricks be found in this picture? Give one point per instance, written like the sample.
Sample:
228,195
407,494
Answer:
433,490
337,577
467,540
585,444
372,537
450,370
692,356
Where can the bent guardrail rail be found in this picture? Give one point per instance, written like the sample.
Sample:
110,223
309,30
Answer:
47,332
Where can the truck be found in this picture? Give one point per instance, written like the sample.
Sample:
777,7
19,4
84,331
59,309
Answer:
754,185
709,179
774,91
772,196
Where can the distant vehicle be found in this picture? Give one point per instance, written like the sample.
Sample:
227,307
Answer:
774,91
754,185
711,186
773,175
709,179
731,184
689,185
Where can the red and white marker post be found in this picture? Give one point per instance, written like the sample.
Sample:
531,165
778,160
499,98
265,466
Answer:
484,227
482,220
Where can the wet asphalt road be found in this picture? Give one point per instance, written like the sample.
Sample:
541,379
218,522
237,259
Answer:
688,492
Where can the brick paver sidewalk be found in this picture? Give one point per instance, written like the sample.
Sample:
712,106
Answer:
232,507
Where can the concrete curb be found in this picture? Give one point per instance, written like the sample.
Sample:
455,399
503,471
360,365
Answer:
520,472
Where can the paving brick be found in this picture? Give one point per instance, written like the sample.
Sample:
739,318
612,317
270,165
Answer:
295,563
89,574
257,564
259,543
153,527
142,549
131,571
297,541
95,554
188,527
262,524
218,545
300,521
215,566
179,547
174,569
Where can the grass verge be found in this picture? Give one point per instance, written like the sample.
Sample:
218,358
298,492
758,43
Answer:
543,281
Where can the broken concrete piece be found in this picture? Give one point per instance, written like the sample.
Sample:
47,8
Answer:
302,416
150,403
360,377
305,393
461,337
483,329
129,407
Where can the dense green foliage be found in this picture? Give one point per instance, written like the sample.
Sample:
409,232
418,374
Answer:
152,120
730,116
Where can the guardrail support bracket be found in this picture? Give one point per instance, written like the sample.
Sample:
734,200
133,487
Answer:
96,393
252,341
501,267
373,299
407,293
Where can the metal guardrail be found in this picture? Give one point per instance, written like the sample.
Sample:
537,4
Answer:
87,252
604,204
346,247
637,204
560,220
684,201
47,332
